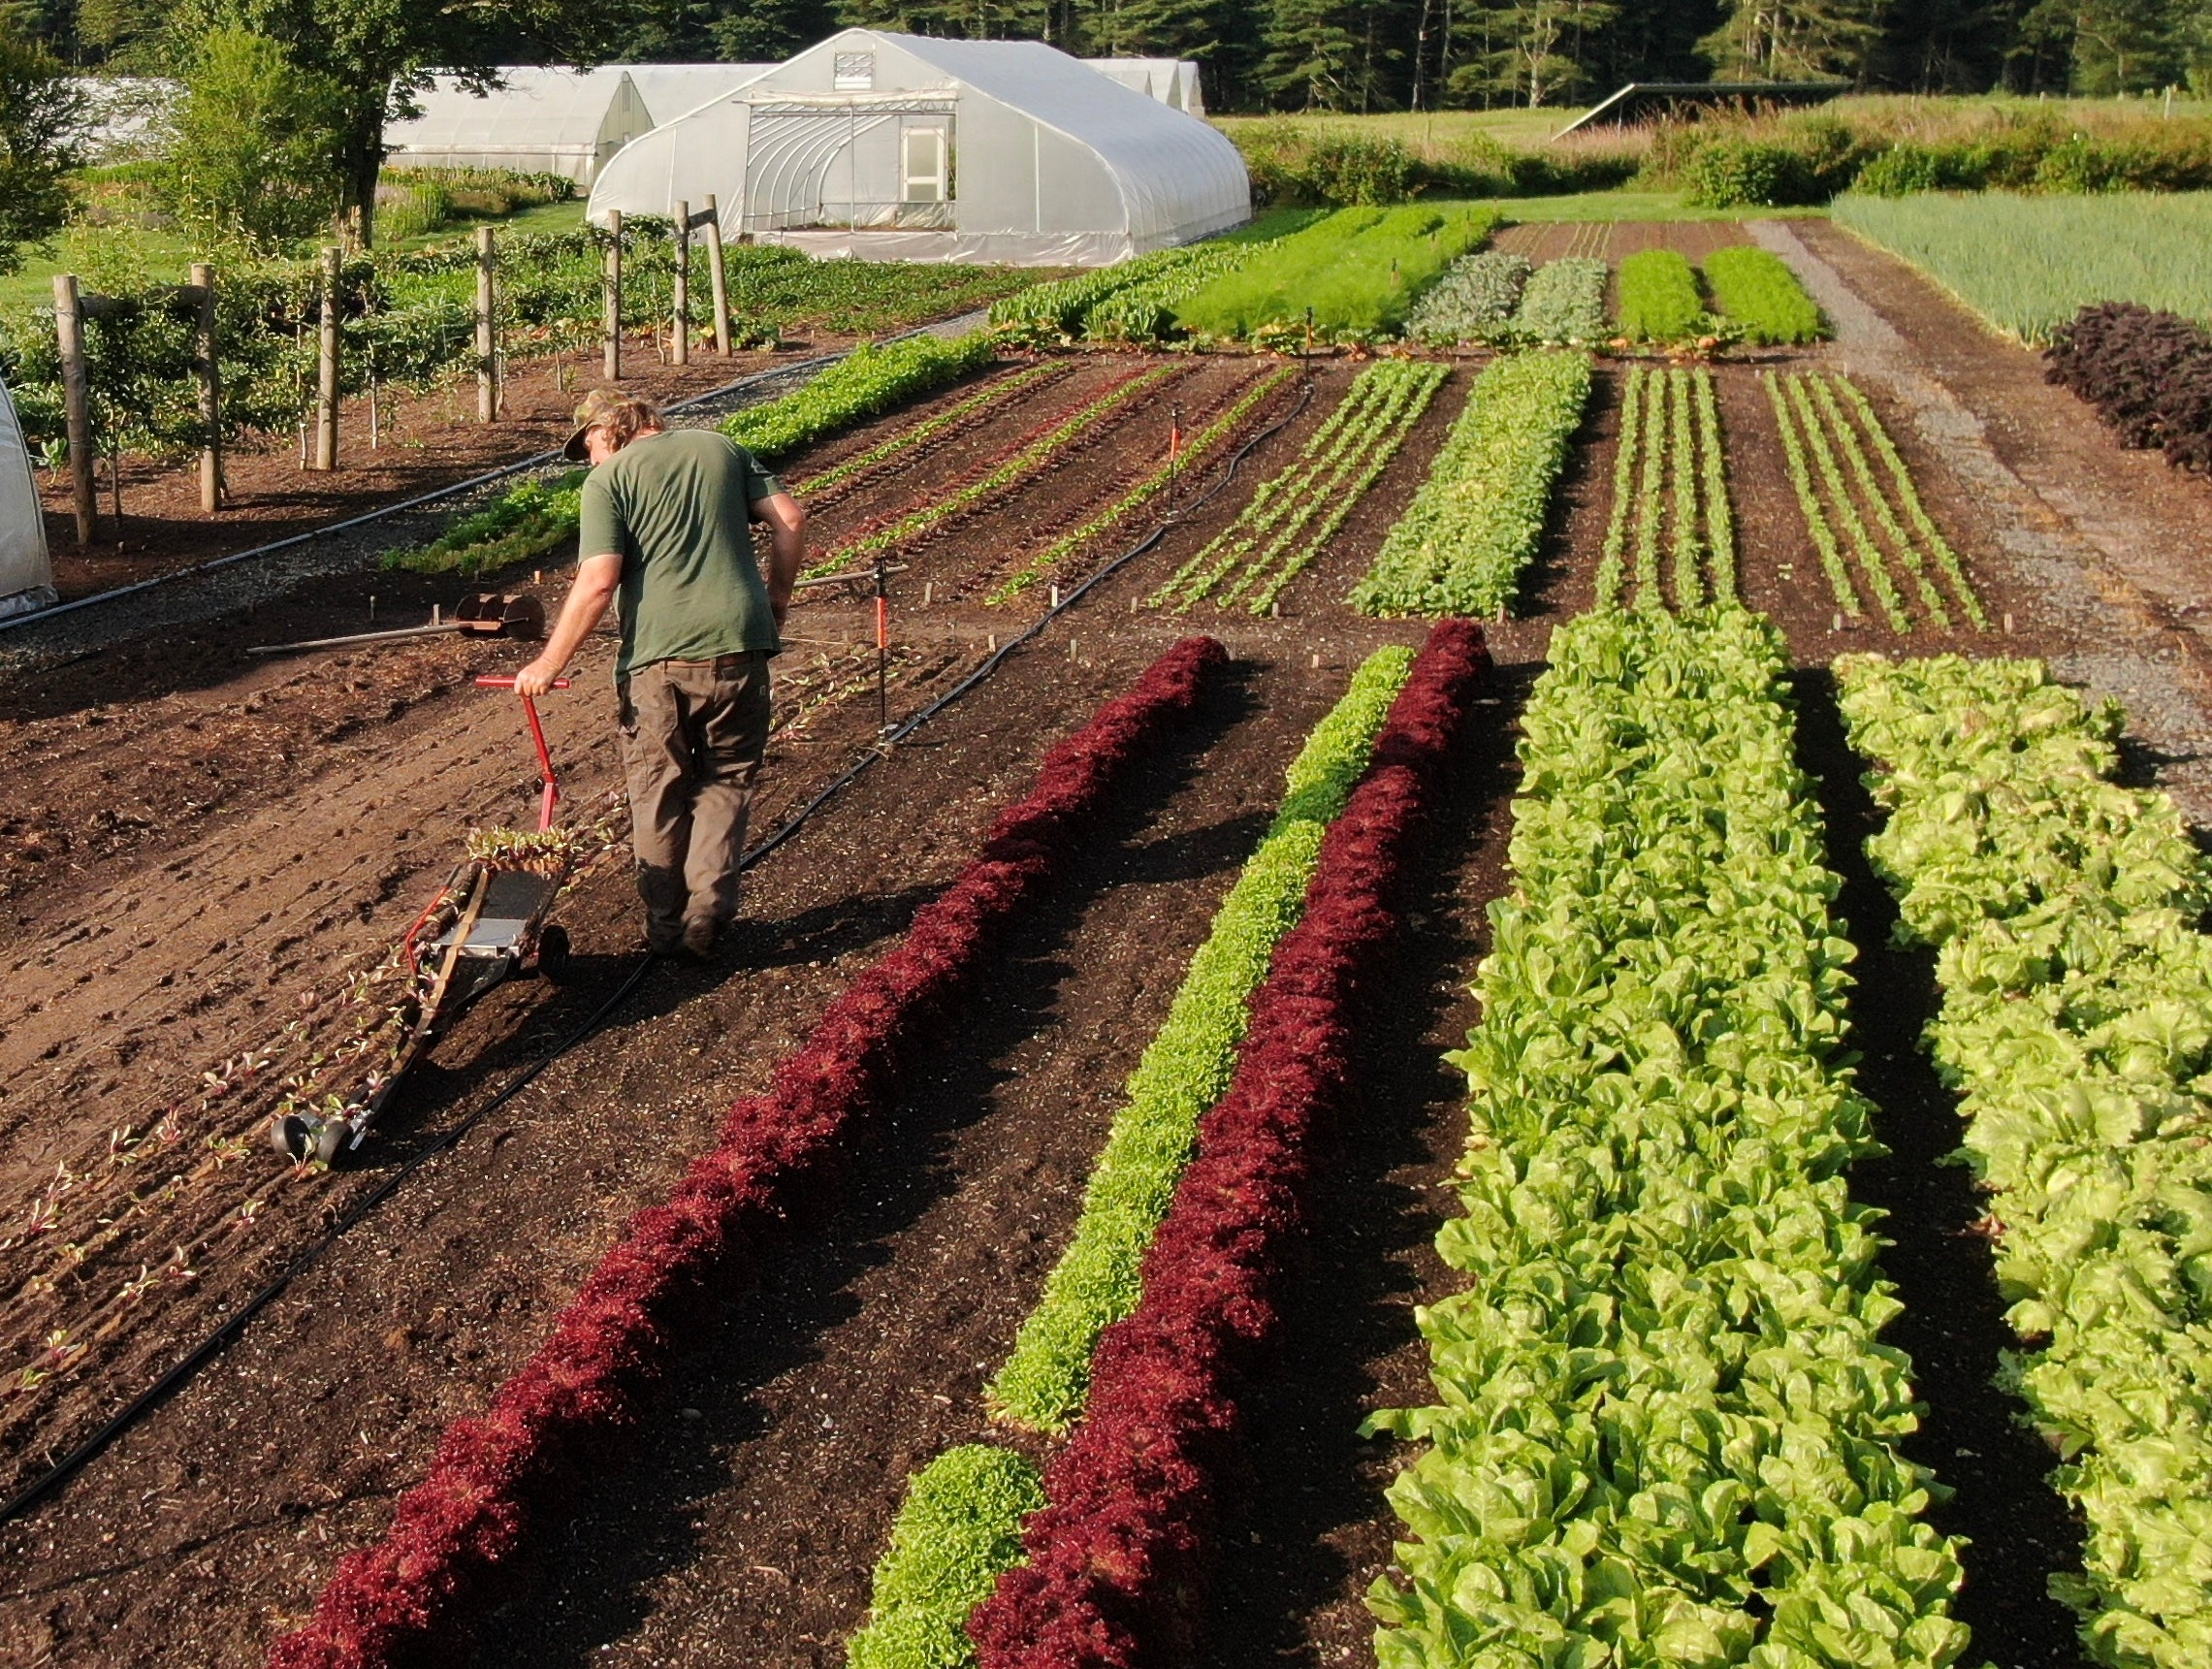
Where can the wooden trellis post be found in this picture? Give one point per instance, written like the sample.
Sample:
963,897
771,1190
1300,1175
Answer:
487,333
326,364
77,402
204,352
613,298
680,291
718,275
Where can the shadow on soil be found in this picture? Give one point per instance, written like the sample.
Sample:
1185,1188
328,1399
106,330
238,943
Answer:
639,1521
1310,1482
1953,1324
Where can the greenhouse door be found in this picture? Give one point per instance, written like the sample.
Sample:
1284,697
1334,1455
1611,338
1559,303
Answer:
925,175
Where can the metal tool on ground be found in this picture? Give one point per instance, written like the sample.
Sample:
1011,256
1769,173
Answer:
488,919
517,615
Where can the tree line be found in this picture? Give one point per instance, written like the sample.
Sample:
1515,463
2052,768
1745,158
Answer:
1257,54
289,98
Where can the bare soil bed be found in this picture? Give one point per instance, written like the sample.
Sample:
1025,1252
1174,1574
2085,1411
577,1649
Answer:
192,883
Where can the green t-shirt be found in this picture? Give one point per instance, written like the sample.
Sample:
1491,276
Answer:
677,508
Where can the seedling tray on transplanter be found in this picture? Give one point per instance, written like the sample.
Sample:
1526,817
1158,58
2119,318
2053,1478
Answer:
485,924
489,920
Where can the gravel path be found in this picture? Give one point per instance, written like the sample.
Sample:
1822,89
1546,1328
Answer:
2088,556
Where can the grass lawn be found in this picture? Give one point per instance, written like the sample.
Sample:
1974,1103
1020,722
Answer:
1426,131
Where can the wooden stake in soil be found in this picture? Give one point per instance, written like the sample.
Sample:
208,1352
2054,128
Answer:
487,337
679,290
209,372
77,402
718,276
611,297
326,364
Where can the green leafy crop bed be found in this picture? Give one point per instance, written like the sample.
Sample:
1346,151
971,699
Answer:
2076,1025
1667,1430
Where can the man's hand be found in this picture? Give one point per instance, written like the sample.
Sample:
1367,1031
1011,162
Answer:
538,676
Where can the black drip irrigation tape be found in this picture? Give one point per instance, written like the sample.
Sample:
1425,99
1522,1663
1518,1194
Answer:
227,1333
536,460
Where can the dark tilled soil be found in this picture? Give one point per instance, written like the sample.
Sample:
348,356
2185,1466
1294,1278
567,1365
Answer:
1302,1539
2017,1528
429,1304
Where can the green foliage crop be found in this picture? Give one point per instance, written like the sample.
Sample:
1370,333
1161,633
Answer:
2028,264
1667,1431
1563,302
2076,1025
1658,298
1756,292
1478,519
1473,301
1187,1068
866,383
958,1528
1359,270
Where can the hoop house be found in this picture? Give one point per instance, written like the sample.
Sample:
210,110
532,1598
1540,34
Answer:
1173,81
26,574
671,90
903,147
541,121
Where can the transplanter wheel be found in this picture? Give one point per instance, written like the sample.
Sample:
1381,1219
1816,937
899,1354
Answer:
553,953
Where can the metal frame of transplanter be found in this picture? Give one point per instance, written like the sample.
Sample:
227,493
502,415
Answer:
485,923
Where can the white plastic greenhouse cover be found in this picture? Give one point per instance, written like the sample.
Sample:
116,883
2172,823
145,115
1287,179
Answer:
671,90
1173,81
26,574
543,120
1053,162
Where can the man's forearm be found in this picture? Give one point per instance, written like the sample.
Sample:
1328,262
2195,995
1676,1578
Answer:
786,556
596,581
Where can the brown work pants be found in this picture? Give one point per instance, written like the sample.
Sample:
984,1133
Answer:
692,735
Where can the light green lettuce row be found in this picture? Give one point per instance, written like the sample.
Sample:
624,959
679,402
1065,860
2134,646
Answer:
2077,1024
959,1527
1477,519
1667,1430
1187,1068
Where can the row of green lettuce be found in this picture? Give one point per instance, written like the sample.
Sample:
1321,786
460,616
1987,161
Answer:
1476,524
535,519
2076,1024
1668,1431
961,1523
1352,276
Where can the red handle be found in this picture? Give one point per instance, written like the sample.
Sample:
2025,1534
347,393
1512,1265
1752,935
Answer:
552,796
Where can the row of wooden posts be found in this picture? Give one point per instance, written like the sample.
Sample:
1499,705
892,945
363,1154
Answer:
72,308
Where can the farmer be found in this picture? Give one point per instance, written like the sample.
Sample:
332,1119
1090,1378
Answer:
666,536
